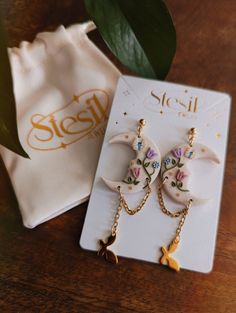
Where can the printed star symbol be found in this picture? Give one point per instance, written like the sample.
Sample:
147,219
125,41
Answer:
75,98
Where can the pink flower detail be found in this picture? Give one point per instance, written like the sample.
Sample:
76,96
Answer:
135,172
177,153
180,175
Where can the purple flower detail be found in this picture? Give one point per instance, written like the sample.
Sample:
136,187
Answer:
180,175
135,172
177,153
150,154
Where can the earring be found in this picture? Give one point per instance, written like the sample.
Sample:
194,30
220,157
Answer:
142,171
175,181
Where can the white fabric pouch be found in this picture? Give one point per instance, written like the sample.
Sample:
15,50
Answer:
63,86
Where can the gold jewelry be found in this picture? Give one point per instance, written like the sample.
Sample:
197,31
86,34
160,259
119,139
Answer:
142,171
174,179
103,251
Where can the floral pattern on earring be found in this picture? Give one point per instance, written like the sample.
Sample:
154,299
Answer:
145,164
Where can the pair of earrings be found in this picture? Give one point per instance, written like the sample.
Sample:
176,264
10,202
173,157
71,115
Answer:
143,171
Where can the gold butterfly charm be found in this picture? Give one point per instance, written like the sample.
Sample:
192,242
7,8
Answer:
167,259
108,254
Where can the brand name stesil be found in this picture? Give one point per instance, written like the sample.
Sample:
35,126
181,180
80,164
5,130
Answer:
182,102
77,119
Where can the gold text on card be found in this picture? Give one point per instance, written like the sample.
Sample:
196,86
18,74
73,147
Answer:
185,103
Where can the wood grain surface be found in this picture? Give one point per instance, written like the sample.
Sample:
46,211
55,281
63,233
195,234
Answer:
44,269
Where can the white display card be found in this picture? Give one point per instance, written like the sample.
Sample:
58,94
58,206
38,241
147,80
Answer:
170,110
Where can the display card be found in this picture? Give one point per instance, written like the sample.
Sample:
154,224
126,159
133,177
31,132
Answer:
170,110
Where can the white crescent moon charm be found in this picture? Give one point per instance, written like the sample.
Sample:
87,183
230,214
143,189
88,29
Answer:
145,166
142,171
175,170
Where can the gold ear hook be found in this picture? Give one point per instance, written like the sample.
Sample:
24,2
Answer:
192,134
142,123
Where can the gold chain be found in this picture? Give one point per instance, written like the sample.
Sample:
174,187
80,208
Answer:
140,206
123,204
181,222
182,212
116,218
164,209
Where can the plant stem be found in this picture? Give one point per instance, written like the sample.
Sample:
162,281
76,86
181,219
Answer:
170,168
149,176
180,189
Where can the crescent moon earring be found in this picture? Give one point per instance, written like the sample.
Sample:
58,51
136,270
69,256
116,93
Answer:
142,171
175,182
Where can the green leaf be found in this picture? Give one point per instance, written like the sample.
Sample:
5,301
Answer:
173,161
141,34
139,162
136,182
129,179
147,164
8,125
180,164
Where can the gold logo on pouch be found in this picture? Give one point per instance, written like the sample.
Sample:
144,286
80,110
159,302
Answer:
183,102
82,117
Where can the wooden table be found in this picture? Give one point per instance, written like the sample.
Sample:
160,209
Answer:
44,269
